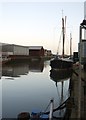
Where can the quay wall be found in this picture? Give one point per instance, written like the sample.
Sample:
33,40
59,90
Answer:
78,94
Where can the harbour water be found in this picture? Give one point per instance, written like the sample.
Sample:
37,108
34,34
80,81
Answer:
29,86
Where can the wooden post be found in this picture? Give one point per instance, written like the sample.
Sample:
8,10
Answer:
51,109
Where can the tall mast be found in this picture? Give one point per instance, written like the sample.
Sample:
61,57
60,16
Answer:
70,45
63,36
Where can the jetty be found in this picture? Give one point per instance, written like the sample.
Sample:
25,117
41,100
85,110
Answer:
77,105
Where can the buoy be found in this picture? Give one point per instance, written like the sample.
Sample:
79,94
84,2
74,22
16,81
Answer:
24,116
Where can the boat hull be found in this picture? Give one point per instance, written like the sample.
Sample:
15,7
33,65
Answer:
61,64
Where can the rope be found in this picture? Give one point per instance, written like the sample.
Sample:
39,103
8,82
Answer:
67,46
59,43
60,107
47,107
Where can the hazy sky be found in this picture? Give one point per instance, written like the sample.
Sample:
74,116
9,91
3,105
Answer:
39,23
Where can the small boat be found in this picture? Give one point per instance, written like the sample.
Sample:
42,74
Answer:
37,114
61,63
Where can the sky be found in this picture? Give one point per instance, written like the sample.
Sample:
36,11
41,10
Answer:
38,23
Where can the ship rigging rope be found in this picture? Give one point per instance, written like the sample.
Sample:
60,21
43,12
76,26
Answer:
67,44
59,43
60,106
65,37
47,107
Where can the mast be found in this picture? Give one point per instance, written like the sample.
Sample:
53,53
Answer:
63,36
63,32
70,45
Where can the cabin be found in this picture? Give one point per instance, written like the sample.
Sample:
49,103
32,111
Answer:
36,51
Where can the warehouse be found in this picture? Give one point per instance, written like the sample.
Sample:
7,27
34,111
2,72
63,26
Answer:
17,52
36,51
14,52
12,49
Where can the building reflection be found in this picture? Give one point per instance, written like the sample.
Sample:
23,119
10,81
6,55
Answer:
36,66
15,70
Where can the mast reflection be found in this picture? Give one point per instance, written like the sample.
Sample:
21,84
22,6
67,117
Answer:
62,82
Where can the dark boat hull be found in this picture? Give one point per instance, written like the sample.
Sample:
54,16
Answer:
61,64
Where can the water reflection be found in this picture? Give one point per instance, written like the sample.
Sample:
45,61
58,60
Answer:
31,90
60,75
15,70
62,79
36,66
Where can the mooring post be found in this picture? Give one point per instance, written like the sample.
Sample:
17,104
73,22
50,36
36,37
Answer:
51,109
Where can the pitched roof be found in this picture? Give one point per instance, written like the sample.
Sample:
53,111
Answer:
35,47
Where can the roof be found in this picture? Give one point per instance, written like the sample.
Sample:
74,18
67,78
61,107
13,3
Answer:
35,47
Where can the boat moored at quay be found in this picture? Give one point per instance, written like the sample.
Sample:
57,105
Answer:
62,63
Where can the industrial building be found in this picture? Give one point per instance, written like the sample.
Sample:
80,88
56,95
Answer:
12,49
11,52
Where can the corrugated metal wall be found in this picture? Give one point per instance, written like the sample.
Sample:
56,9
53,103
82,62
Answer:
7,48
15,49
20,50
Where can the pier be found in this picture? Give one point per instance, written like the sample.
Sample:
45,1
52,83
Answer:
77,104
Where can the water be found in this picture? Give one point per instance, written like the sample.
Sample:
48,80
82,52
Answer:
28,86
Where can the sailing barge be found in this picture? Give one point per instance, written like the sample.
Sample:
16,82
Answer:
61,63
58,63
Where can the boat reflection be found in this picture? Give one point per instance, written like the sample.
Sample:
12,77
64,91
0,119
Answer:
60,75
15,70
62,79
